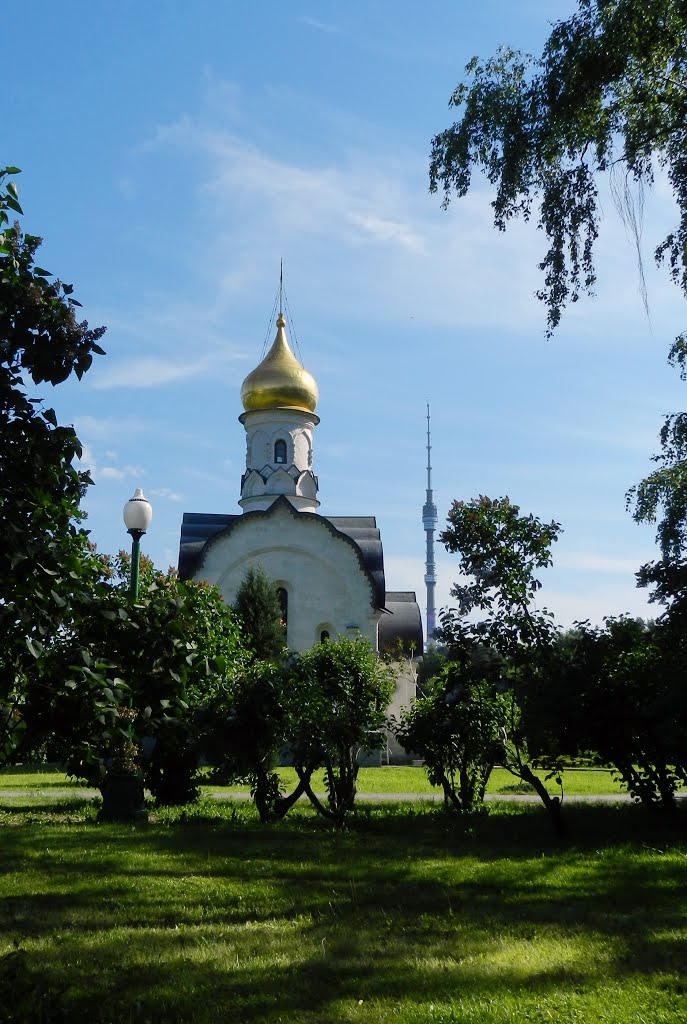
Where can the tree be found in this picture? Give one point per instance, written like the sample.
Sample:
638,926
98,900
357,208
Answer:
341,690
46,566
251,731
136,673
620,692
662,498
500,551
457,728
258,610
607,95
430,666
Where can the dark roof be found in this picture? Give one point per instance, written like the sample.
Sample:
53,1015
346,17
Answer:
198,528
404,623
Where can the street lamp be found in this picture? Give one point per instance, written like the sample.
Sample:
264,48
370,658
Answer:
137,515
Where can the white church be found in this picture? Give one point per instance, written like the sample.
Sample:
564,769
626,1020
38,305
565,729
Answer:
328,570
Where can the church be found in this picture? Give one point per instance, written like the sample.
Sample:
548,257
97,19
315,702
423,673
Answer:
328,570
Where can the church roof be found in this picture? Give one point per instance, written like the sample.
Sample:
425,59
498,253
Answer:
279,382
404,623
197,528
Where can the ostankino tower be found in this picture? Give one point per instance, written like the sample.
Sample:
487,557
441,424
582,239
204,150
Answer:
429,521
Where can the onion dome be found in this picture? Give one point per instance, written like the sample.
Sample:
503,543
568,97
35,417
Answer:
279,382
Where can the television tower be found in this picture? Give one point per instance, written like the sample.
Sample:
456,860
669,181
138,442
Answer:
429,521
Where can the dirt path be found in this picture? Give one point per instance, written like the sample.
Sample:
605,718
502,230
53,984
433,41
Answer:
523,798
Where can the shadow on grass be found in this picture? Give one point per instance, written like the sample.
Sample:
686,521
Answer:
185,920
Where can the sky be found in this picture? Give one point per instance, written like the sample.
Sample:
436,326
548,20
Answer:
173,153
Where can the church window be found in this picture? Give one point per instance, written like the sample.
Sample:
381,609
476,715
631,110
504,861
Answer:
324,635
280,452
283,598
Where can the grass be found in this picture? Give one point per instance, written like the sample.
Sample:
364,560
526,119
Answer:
408,917
406,780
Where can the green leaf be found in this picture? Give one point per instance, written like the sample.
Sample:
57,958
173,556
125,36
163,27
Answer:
35,648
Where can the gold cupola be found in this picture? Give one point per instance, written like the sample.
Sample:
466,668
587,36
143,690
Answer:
279,382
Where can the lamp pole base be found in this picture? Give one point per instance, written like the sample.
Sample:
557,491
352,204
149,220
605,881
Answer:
123,798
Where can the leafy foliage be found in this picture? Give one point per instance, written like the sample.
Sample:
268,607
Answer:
138,672
662,497
341,691
508,644
258,610
46,567
457,728
621,693
607,94
251,731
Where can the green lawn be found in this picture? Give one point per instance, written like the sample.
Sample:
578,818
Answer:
408,917
371,780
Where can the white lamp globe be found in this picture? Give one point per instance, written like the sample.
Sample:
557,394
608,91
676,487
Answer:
138,512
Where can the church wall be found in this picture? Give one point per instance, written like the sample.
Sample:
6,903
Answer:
404,695
320,572
405,692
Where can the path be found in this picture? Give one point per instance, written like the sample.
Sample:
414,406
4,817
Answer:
523,798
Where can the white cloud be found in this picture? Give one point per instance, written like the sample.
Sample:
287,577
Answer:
147,372
166,492
154,371
597,603
588,561
126,186
321,26
90,462
109,428
442,268
385,230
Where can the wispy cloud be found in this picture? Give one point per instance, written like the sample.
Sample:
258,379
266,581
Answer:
147,372
272,205
165,492
384,230
91,464
157,371
321,26
109,428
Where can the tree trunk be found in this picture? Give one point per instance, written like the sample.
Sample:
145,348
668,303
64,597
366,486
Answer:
551,803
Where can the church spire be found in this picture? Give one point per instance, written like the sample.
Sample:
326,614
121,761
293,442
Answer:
430,521
279,398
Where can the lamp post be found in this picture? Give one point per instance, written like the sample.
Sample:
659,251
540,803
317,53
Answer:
138,513
122,787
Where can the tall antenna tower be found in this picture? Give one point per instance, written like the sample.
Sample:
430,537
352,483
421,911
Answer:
430,521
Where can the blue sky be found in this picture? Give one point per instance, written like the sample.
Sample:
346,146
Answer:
172,154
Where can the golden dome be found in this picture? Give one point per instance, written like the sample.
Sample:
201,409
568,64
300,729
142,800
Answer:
279,382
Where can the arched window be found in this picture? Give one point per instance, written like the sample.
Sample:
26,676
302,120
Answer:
280,452
283,599
324,635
